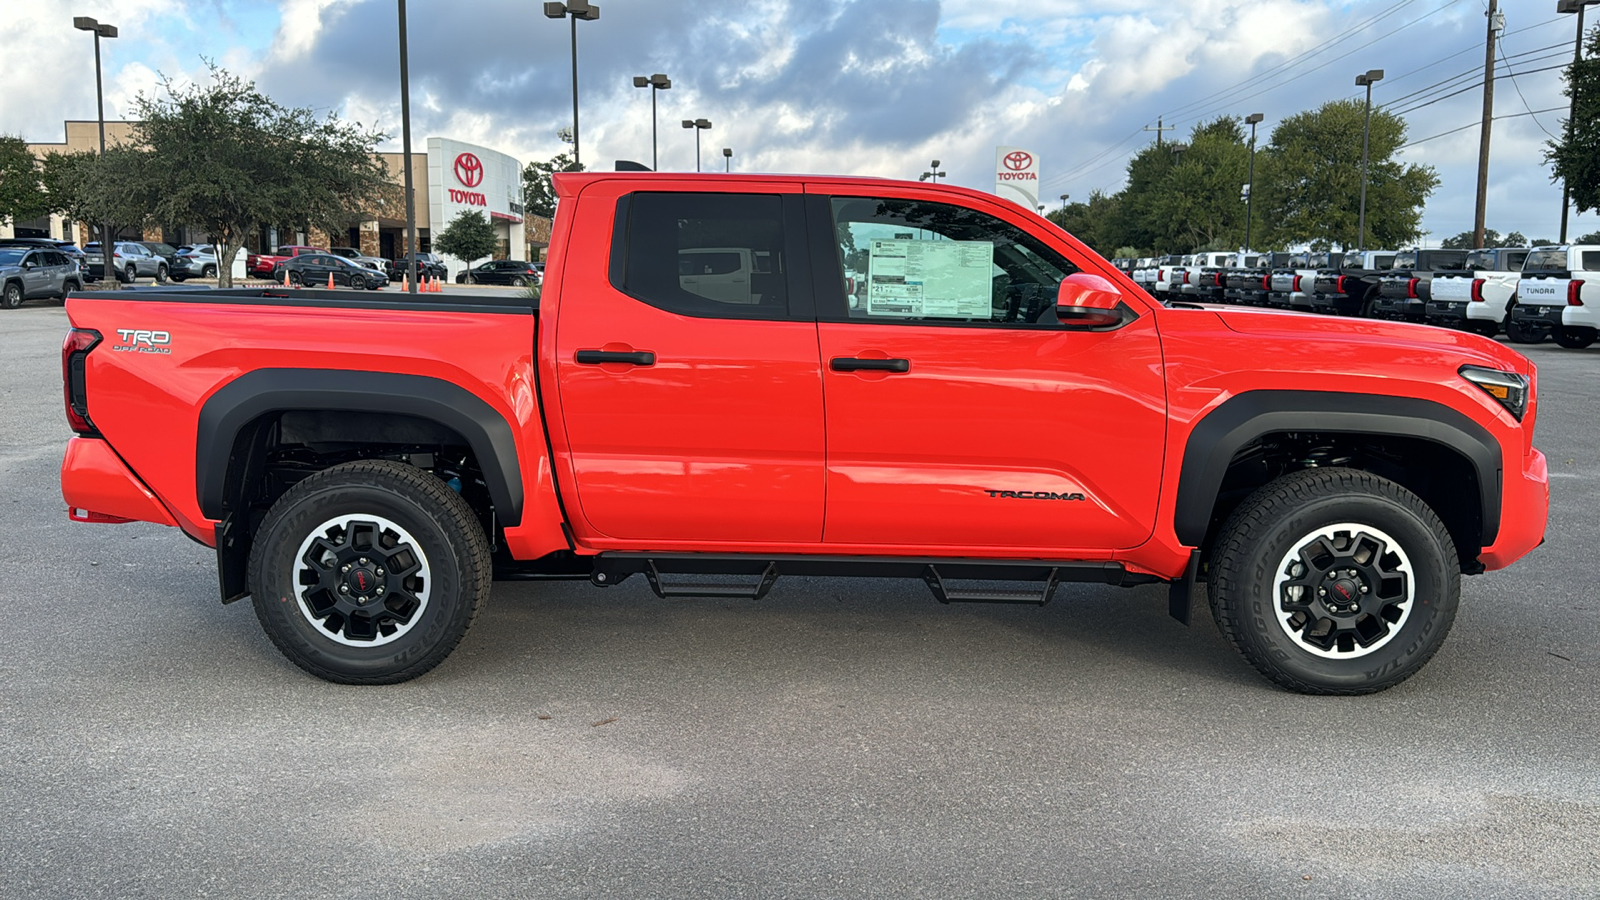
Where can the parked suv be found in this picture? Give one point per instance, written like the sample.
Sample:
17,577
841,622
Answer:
199,261
428,266
501,271
29,273
130,261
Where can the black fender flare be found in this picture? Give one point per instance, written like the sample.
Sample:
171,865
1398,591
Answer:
264,391
1243,418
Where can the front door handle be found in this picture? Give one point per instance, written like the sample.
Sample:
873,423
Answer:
600,357
855,364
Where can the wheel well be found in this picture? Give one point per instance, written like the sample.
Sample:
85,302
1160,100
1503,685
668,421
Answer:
1442,477
277,450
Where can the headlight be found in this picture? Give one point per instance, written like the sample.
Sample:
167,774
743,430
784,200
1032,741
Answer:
1509,388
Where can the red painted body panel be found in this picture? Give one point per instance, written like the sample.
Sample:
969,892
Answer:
740,439
94,480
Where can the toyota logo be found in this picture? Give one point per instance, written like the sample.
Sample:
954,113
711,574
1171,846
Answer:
1016,160
469,170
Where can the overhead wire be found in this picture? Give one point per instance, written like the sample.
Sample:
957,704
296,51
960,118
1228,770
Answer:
1531,112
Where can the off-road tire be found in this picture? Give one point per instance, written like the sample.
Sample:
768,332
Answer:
1274,521
1574,338
446,534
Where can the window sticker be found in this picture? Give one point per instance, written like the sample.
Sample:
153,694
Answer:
931,279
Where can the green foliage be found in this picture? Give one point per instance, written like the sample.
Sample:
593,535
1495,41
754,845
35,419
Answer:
1515,239
1592,237
1576,157
538,194
20,194
469,236
223,156
88,187
1309,181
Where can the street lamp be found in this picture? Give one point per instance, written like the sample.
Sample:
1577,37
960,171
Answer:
101,30
727,159
1064,202
933,175
698,125
1252,120
655,83
1572,6
574,9
1372,77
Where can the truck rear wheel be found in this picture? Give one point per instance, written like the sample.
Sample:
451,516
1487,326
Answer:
369,572
1574,338
1334,581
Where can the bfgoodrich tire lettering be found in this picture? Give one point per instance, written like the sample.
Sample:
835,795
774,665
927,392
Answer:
300,577
1361,537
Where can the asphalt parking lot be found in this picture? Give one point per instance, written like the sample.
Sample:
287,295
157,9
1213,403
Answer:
838,739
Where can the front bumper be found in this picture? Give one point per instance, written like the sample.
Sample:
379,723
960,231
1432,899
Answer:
1524,510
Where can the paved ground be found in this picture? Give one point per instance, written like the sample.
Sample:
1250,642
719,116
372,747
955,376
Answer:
840,739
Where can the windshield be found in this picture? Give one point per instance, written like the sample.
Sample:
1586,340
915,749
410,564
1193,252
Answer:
10,256
1554,260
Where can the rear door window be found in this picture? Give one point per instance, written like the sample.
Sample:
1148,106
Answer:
703,254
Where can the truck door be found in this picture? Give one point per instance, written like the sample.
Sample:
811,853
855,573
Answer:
692,409
960,411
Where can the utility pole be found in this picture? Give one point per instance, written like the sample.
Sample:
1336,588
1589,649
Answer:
1496,22
1564,7
1158,129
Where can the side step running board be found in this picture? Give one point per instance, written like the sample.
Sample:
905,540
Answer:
940,575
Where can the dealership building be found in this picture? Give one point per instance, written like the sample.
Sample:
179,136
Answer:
452,177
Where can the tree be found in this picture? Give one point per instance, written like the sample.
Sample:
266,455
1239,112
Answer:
1592,237
1464,240
538,194
225,157
1311,191
88,187
20,196
1576,157
469,236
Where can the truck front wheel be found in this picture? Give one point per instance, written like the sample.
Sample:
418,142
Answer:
369,572
1334,581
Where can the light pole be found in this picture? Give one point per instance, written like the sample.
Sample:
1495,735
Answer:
574,9
698,125
1572,6
727,159
657,82
1250,183
934,175
405,155
1367,80
101,30
1064,203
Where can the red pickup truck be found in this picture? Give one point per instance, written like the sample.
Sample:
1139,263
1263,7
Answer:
262,265
697,394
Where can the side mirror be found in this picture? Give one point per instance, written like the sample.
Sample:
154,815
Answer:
29,264
1088,302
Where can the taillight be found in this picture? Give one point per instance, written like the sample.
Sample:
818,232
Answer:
1216,280
1186,277
1266,282
1574,288
1160,274
1411,288
74,357
1338,286
1477,290
1296,287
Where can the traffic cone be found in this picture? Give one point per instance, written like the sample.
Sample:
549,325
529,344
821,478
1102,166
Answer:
438,286
330,281
285,277
405,283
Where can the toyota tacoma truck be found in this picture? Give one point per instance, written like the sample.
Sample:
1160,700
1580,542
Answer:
1478,299
1558,295
1000,411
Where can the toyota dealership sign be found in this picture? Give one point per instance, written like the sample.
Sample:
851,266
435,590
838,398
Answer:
1016,176
466,177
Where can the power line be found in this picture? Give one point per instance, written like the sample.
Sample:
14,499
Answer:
1525,104
1397,101
1477,84
1531,112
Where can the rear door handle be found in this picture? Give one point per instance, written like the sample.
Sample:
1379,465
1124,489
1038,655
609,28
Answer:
600,357
854,364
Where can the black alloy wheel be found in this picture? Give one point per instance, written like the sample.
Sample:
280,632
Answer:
1334,581
1518,332
369,572
357,283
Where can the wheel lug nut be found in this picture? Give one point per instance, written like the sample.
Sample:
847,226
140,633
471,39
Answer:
1363,589
363,560
380,590
344,588
380,570
1322,592
345,567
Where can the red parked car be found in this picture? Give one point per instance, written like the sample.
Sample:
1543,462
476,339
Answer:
696,392
263,265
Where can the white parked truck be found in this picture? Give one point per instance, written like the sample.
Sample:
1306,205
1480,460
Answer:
1559,295
1478,299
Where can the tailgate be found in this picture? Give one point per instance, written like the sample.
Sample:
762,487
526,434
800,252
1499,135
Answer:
1538,290
1453,288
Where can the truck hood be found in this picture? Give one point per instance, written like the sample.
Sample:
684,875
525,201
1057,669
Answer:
1286,326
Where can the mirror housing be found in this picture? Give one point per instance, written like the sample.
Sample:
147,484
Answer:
1087,302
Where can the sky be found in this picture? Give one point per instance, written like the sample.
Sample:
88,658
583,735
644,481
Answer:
861,87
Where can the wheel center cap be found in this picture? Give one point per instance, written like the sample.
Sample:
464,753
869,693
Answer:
1344,591
362,581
